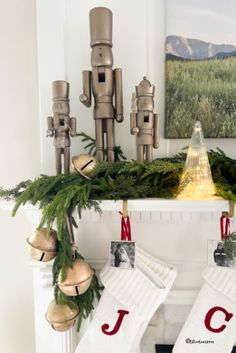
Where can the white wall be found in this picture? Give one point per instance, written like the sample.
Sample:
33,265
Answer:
20,160
138,48
63,52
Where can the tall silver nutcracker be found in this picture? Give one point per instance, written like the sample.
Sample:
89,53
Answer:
61,126
104,82
143,122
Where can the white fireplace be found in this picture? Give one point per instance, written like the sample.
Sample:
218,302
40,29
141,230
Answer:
175,231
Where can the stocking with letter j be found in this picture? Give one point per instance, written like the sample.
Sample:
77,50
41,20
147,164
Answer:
128,302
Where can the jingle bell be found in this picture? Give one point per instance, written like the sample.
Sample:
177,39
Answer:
60,316
43,246
83,164
78,278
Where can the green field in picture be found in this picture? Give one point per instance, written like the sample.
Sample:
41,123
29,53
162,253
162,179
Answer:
202,90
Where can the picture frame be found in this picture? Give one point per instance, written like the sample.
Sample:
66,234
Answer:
200,68
122,254
221,253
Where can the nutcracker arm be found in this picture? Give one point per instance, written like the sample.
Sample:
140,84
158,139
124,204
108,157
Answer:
73,132
118,95
50,130
133,124
85,97
156,130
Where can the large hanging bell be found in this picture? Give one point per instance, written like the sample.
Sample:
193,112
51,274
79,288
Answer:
43,245
83,164
78,278
60,316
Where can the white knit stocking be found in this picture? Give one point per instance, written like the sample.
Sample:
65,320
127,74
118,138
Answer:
128,302
211,325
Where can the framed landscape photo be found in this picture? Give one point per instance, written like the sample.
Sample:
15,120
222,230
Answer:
200,67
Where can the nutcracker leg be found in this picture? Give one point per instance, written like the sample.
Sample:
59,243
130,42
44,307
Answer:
149,153
67,159
99,139
58,160
140,152
110,140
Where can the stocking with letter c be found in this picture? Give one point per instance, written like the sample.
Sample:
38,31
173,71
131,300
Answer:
211,324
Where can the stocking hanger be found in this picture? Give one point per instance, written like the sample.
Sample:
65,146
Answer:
125,208
230,213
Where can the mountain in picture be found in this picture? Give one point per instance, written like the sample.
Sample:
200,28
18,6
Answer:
195,49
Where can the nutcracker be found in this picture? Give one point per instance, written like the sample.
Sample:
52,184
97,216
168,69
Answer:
104,82
144,123
61,126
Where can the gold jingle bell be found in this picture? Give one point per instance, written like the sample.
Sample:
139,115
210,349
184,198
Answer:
83,164
43,246
60,316
78,278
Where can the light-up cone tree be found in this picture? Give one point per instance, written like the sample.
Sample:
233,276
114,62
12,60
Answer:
196,181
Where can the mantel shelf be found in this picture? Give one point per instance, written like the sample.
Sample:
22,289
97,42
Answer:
148,205
162,205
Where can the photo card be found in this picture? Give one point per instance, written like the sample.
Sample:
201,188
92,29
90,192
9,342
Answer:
220,253
122,254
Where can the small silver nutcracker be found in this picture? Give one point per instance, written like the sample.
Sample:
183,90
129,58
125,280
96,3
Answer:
143,122
104,82
61,126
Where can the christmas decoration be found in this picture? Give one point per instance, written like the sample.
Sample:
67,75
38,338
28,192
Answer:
116,181
104,83
60,316
196,181
83,164
212,321
61,126
78,278
143,122
55,196
128,303
43,245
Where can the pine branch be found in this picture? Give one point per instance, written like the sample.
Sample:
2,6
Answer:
55,195
91,147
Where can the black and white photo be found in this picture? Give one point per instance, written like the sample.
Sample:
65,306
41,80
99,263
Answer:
220,253
122,254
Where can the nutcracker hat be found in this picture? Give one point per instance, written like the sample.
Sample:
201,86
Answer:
100,26
145,88
60,90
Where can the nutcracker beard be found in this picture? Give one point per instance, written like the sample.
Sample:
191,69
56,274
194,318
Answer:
129,300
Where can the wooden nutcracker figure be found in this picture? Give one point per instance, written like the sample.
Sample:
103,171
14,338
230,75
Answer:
104,82
61,126
143,122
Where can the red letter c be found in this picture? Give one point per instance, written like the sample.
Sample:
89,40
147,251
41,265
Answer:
209,315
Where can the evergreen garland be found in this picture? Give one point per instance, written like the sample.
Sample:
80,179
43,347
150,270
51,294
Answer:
55,195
